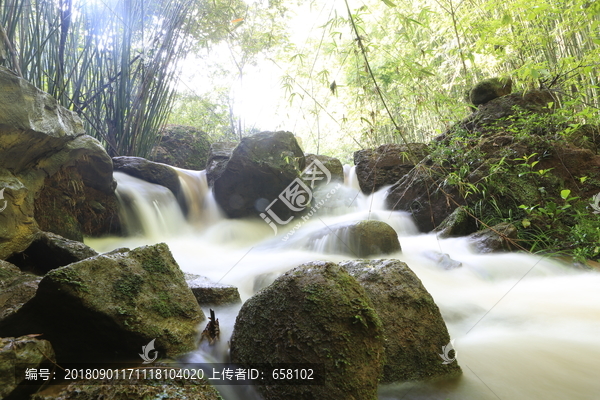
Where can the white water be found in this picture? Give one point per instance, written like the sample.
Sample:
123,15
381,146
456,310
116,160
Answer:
524,327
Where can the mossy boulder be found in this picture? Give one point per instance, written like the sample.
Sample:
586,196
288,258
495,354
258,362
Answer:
358,239
21,350
489,89
108,306
413,327
315,313
386,164
458,223
260,168
183,147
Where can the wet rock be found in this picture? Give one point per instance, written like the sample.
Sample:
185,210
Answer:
49,251
261,167
413,327
210,293
489,89
123,389
331,163
386,164
496,238
149,171
457,224
357,239
218,157
108,306
183,147
20,350
315,313
16,288
428,199
38,139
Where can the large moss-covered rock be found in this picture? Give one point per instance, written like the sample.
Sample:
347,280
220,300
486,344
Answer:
358,239
413,326
259,170
386,164
110,305
20,350
183,147
149,171
489,89
315,313
39,138
16,288
49,251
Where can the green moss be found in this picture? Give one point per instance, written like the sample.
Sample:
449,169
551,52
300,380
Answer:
128,286
68,276
155,265
165,307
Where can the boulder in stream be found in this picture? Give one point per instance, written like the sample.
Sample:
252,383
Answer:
108,306
315,313
218,157
386,164
332,164
261,167
211,293
500,237
414,329
149,171
358,239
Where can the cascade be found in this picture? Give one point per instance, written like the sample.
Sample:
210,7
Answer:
525,326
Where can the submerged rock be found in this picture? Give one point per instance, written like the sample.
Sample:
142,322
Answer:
315,313
183,147
21,350
261,167
496,238
108,306
210,293
413,327
357,239
386,164
49,251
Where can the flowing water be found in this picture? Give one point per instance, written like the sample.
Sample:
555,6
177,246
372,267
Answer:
524,327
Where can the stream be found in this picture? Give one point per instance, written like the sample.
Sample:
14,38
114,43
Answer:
524,327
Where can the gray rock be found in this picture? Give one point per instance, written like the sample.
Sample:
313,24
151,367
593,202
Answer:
413,327
386,164
108,306
21,350
149,171
315,313
358,239
210,293
49,251
334,165
458,223
260,168
16,288
218,157
443,260
494,239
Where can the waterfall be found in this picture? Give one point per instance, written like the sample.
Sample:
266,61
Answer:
525,326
